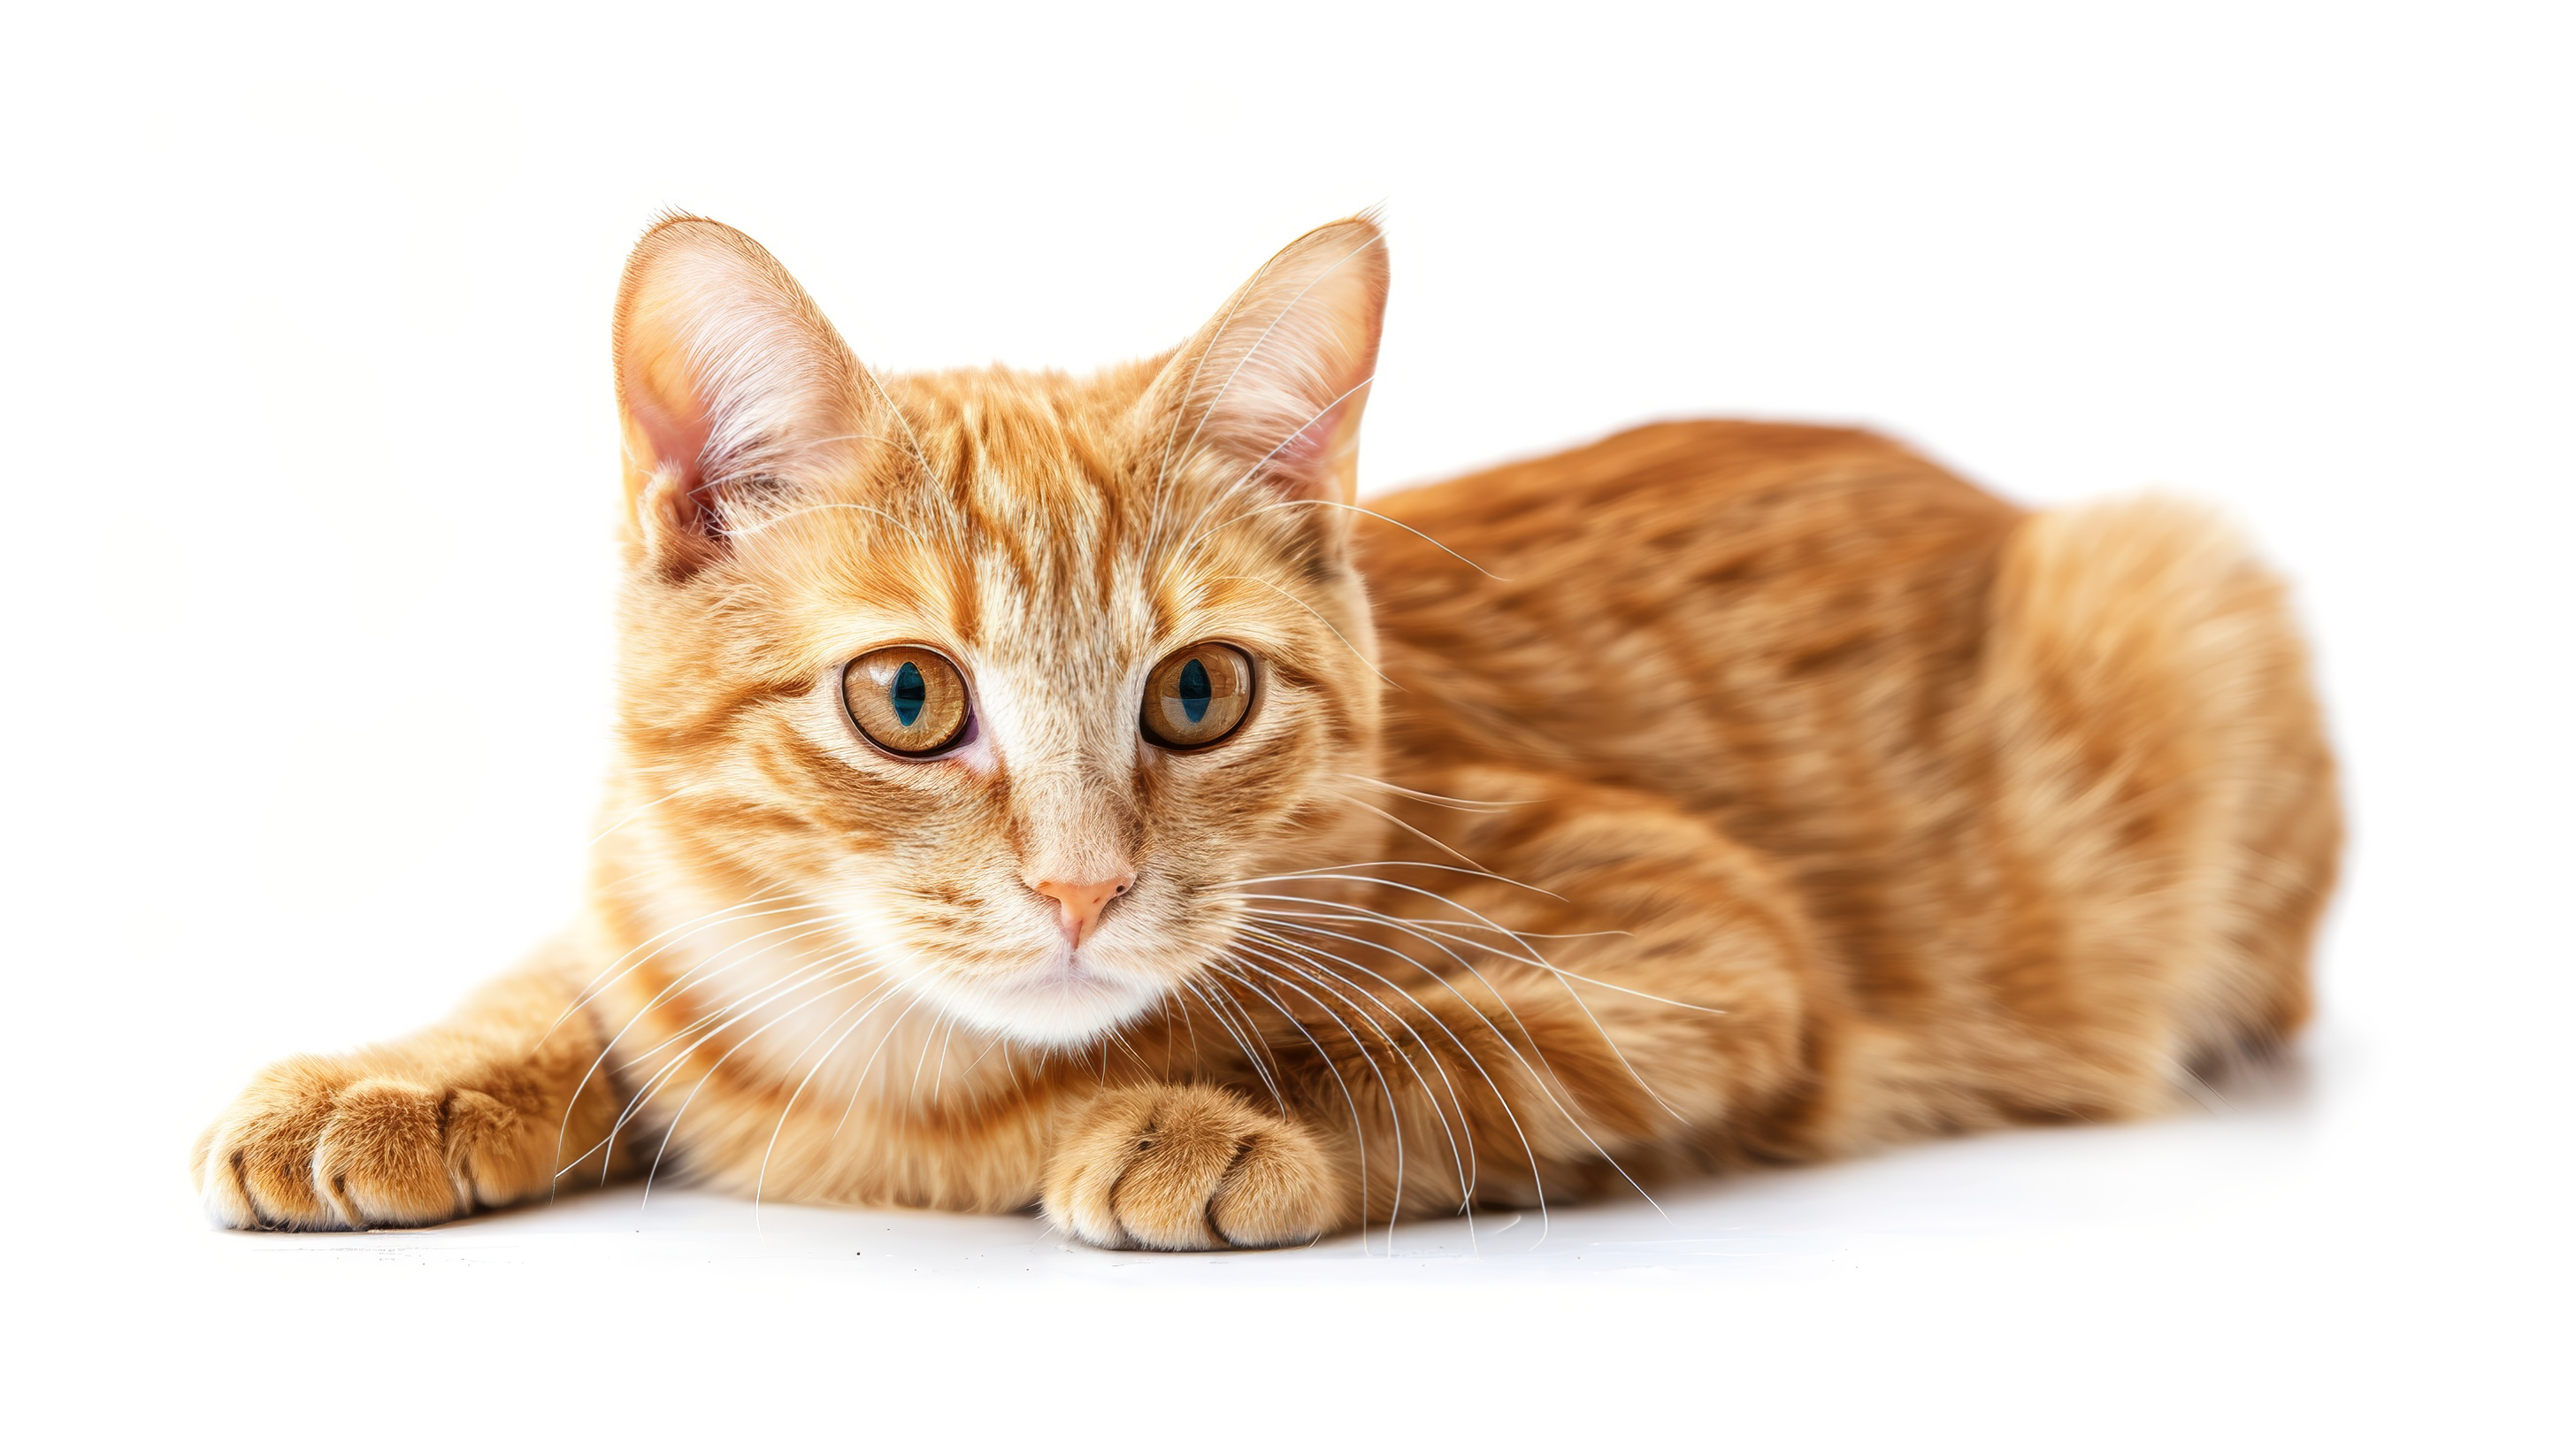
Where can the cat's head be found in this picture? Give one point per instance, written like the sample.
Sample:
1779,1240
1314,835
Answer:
1016,683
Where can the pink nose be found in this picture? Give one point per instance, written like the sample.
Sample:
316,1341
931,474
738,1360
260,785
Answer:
1078,904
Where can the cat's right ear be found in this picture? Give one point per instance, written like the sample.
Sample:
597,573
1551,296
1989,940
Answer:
730,384
1269,393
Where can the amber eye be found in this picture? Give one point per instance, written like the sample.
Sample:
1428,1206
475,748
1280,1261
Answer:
1197,695
909,700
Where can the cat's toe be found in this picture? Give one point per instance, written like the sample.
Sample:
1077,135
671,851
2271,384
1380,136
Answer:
254,1165
1190,1168
303,1148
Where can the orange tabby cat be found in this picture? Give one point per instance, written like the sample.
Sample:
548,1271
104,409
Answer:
1055,790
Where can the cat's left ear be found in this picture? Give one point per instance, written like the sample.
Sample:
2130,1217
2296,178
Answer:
1270,391
731,385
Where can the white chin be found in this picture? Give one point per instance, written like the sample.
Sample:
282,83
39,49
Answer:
1054,1008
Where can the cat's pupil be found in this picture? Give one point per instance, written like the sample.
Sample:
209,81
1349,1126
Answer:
909,695
1194,689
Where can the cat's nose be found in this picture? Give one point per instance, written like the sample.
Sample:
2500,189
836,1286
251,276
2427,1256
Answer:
1078,904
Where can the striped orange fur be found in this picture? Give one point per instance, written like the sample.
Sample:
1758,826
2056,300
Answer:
1716,793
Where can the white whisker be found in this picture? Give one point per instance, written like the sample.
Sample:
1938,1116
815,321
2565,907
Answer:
1466,804
1528,957
1360,999
1279,948
1359,1131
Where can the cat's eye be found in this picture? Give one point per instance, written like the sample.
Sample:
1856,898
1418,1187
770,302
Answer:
1197,695
911,701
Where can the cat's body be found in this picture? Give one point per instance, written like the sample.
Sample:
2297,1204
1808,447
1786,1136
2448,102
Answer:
1718,792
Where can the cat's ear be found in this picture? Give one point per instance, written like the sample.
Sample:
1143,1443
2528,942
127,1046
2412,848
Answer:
730,384
1270,391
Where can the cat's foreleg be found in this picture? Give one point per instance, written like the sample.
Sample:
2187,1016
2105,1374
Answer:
480,1110
1592,991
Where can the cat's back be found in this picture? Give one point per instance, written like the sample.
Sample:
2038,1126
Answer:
2021,770
1768,621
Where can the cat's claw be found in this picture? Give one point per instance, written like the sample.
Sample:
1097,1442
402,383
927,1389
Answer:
309,1147
1189,1168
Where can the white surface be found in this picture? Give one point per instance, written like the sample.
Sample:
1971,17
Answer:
310,475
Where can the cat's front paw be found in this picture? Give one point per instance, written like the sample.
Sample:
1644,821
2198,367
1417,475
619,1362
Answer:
1190,1168
312,1144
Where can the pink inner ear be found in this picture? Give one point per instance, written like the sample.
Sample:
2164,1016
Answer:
1306,447
679,442
1297,466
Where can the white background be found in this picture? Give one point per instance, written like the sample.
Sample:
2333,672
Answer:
309,484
